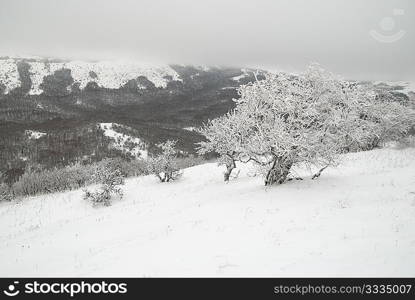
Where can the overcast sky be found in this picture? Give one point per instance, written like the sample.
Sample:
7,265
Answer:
275,34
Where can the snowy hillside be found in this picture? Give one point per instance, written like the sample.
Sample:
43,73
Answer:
124,142
107,74
358,220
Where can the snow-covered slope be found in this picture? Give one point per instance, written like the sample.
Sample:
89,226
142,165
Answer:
358,220
124,142
107,74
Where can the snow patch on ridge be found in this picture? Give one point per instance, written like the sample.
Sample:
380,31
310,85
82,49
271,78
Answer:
110,74
113,75
39,70
9,76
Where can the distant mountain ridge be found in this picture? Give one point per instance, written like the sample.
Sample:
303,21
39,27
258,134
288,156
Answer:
105,74
32,75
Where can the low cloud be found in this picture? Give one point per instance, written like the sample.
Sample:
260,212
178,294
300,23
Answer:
275,34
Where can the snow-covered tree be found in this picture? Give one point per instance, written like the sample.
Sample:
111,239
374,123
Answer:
226,136
376,118
390,118
164,166
308,118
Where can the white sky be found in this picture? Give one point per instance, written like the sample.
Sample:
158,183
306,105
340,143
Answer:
276,34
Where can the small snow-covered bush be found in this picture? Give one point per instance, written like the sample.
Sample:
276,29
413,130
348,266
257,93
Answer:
110,178
226,136
164,165
5,193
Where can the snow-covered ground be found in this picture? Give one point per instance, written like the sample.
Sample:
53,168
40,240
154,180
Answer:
357,220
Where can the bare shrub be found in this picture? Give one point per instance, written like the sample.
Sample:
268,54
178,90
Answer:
37,181
34,182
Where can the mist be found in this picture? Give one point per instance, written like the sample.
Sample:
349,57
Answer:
272,34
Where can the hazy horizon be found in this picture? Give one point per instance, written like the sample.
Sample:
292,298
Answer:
275,35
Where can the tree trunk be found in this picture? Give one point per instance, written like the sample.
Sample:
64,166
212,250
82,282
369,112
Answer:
229,168
278,172
160,177
317,175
